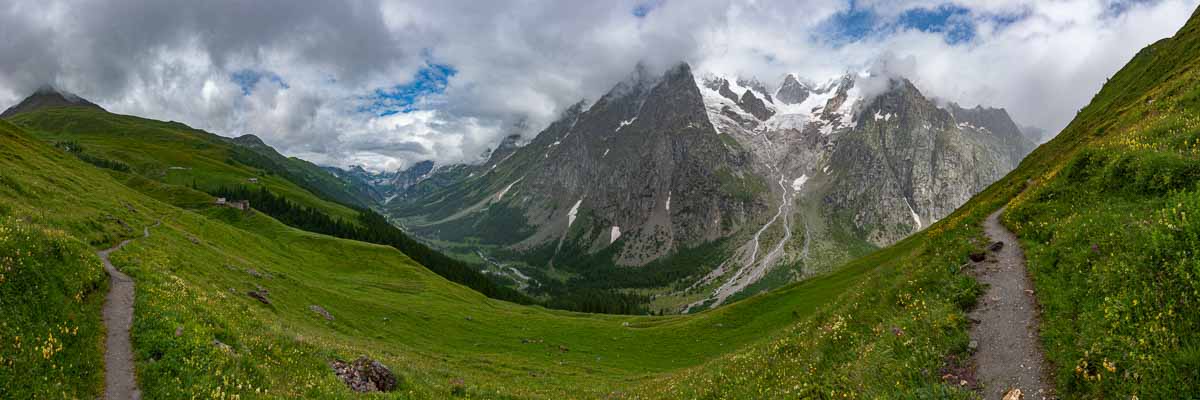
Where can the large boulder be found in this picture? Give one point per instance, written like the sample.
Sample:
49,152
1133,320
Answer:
365,375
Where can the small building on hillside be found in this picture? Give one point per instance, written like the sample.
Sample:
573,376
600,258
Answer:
253,180
243,205
240,204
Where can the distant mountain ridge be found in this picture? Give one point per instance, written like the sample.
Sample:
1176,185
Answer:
788,182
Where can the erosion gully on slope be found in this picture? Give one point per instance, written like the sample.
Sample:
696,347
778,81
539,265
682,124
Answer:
754,269
1008,358
120,381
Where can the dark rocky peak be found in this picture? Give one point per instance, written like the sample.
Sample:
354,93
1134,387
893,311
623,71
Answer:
561,126
249,140
507,147
726,92
752,83
255,143
995,120
48,97
721,85
636,85
509,142
680,74
755,106
757,86
792,91
674,102
842,88
410,176
420,168
900,98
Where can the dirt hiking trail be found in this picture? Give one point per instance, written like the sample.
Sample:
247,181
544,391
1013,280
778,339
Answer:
1008,354
120,380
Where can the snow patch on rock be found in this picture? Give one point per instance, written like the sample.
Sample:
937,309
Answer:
625,123
573,213
799,182
614,234
500,196
916,218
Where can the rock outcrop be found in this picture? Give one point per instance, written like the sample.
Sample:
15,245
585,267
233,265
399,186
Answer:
365,375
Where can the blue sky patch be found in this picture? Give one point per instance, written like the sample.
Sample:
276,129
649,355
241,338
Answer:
644,8
431,79
247,79
956,24
850,25
952,21
1117,7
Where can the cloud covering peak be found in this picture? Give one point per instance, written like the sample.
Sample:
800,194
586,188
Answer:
385,84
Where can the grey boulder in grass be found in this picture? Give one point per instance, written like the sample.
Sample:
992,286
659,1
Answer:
366,375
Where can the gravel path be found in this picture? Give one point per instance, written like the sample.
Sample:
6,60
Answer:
1009,353
120,380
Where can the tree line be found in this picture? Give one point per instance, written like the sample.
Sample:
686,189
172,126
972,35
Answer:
372,228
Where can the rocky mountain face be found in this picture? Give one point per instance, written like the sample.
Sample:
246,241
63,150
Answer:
786,182
48,97
413,175
792,91
637,173
909,163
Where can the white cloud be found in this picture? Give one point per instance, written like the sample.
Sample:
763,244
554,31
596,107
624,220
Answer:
527,61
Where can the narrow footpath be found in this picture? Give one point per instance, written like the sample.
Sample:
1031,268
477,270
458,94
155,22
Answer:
1008,355
120,379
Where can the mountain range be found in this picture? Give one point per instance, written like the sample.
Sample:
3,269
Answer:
774,184
269,301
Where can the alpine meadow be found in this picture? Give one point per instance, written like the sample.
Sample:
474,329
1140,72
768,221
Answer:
643,199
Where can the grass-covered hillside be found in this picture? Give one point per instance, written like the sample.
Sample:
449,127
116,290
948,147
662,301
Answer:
173,153
194,270
1105,212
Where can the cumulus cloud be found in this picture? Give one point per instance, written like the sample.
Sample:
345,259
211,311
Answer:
306,75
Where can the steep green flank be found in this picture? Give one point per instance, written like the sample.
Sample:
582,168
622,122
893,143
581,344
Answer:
173,153
51,291
1111,232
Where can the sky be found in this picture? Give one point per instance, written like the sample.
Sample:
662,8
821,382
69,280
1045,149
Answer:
385,84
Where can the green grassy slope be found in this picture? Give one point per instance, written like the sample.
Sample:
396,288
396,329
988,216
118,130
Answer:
1104,211
431,330
173,153
306,174
1110,231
